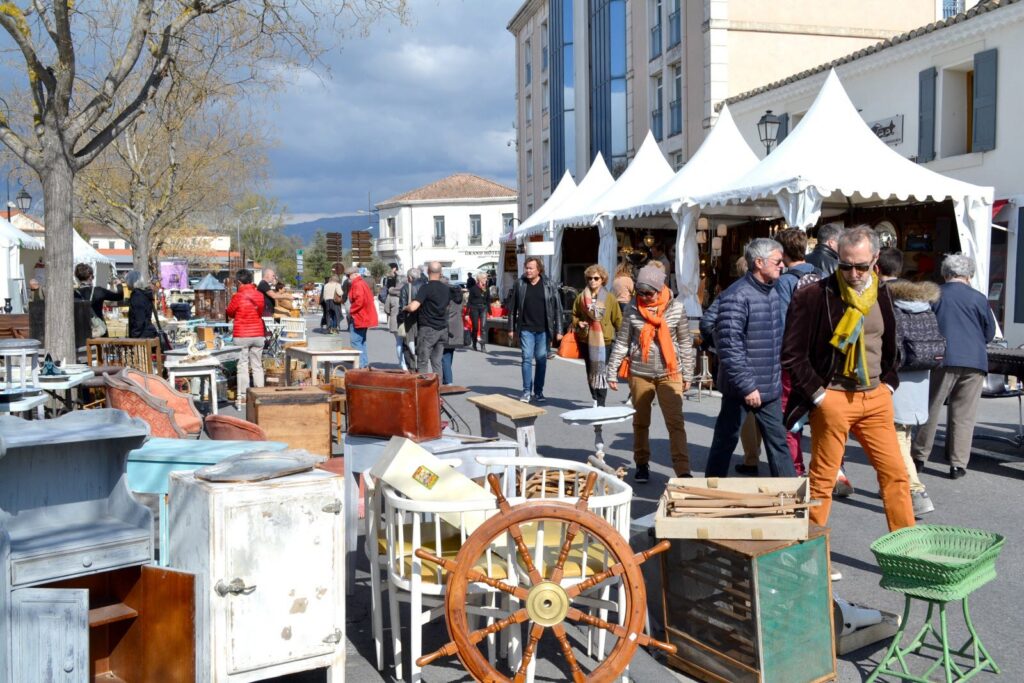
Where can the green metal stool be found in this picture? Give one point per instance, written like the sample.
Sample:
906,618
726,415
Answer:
936,564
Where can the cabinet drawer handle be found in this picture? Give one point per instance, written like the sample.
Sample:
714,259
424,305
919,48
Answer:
236,587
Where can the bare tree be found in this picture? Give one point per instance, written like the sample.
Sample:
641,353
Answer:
92,69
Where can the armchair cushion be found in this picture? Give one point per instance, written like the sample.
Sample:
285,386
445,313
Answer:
228,428
169,412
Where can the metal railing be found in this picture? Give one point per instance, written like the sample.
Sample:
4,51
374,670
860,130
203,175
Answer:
951,8
675,117
475,240
674,34
656,124
438,240
656,40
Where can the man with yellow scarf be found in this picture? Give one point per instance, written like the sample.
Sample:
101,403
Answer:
840,351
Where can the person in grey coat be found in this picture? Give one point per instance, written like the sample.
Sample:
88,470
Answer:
391,310
910,400
407,321
964,315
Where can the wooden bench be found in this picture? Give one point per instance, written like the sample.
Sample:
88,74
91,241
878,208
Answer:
522,415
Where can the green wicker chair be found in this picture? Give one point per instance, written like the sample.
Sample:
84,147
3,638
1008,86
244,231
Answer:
936,564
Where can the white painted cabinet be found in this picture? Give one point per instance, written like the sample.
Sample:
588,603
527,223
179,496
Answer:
268,557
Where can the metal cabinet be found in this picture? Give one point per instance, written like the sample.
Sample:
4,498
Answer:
268,560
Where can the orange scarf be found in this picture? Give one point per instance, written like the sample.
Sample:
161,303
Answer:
654,319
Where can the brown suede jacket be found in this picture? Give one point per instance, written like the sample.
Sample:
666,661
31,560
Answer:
807,354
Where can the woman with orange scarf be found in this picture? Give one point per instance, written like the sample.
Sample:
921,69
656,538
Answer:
654,348
596,317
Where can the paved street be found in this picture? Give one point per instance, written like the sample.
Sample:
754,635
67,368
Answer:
986,498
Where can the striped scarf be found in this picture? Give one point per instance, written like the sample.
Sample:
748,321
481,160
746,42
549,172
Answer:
849,334
596,307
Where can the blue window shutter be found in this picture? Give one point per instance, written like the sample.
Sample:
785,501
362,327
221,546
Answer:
783,129
926,115
984,136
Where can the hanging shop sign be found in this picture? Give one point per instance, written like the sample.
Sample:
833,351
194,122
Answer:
889,129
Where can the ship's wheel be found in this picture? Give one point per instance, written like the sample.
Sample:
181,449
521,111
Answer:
548,601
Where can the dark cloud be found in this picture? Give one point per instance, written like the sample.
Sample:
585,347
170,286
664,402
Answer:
400,108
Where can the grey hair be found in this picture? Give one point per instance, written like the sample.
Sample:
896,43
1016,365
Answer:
414,273
762,248
829,232
133,278
267,269
482,277
859,233
434,268
958,265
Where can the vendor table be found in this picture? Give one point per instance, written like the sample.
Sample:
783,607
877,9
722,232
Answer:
313,358
362,452
150,466
202,370
65,385
26,404
225,354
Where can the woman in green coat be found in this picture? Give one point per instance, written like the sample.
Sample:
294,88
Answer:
596,317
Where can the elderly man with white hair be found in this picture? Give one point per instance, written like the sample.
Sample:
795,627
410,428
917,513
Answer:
965,318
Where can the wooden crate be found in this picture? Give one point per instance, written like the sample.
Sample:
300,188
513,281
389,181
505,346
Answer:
750,611
298,416
757,529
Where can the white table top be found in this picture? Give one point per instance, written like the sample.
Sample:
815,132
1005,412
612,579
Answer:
322,353
598,416
182,352
73,380
201,366
24,404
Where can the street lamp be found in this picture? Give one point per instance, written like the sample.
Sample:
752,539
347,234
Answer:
768,130
22,201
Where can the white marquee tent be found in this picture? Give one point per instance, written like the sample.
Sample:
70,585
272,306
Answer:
832,159
538,220
16,247
594,184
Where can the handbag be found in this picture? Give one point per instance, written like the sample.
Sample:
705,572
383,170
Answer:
569,347
97,328
386,403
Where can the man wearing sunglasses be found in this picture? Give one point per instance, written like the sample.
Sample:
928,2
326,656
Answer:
536,318
748,336
840,352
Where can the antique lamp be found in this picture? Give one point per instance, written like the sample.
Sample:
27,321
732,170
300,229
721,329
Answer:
768,130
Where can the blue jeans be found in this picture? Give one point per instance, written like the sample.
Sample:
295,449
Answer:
534,347
446,365
357,335
727,435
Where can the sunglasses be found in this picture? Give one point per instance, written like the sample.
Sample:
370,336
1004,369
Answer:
646,292
595,277
859,267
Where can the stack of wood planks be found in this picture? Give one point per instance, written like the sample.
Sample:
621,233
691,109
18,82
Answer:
689,501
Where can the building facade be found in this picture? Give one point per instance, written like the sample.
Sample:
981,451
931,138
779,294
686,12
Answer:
457,220
595,75
947,96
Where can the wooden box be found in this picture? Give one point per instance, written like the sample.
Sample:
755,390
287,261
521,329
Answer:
206,334
298,416
757,528
750,611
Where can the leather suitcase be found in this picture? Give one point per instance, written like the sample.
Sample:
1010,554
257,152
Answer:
388,403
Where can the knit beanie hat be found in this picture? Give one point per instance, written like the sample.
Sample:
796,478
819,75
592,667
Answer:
651,276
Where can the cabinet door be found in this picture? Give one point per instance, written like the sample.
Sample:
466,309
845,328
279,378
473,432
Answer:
285,549
50,635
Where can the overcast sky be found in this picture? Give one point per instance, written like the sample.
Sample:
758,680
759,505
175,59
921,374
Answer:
403,107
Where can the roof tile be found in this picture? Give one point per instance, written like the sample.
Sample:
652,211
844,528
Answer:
456,186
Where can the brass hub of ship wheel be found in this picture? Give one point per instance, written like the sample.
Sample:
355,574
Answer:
547,604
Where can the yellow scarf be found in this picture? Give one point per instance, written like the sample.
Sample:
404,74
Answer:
849,334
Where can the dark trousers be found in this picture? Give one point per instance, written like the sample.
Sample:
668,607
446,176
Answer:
727,435
599,395
478,319
430,349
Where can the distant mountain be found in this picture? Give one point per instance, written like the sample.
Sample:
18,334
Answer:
342,224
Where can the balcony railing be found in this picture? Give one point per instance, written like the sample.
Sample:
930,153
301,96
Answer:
656,40
951,8
475,240
656,124
675,115
438,240
674,35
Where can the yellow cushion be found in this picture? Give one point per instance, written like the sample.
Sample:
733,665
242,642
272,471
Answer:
451,543
596,561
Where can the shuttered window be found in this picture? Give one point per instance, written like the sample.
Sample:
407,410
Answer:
926,115
984,111
783,129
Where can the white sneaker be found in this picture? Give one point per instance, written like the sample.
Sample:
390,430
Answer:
836,575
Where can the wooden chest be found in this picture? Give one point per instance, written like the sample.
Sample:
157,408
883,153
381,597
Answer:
298,416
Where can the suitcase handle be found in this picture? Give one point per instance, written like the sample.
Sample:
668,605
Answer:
424,376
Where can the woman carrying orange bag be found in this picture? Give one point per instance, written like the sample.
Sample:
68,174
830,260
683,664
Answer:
596,317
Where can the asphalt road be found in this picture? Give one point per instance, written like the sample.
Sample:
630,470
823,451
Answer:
987,498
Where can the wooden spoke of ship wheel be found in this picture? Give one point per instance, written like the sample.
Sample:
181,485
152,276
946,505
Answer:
547,603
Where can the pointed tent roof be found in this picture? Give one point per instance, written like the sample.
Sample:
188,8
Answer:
538,220
833,153
723,157
83,251
594,184
10,235
648,169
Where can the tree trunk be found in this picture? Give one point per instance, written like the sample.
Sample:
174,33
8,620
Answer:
140,253
58,180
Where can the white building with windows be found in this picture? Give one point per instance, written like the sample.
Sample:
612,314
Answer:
457,220
949,96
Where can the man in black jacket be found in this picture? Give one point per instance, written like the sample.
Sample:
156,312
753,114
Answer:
824,257
536,318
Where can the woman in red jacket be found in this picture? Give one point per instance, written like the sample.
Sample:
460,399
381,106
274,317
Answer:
246,308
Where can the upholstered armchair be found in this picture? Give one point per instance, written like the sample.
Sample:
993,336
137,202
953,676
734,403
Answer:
169,413
228,428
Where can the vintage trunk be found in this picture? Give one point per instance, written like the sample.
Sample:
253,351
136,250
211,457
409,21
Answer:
750,611
268,559
298,416
388,403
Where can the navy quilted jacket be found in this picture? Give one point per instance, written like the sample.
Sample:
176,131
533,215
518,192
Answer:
748,337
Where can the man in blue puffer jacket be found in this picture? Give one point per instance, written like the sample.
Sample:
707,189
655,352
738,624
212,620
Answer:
748,336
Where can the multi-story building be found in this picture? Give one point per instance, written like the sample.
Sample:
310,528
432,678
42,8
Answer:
595,75
457,220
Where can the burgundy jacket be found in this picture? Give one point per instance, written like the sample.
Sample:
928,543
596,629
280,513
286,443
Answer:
807,353
246,308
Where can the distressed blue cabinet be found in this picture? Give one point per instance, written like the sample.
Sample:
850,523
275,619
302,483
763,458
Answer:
51,635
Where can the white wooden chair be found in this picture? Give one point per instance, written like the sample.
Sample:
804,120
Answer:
293,329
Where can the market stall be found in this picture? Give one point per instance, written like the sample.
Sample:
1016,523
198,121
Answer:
16,248
535,224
